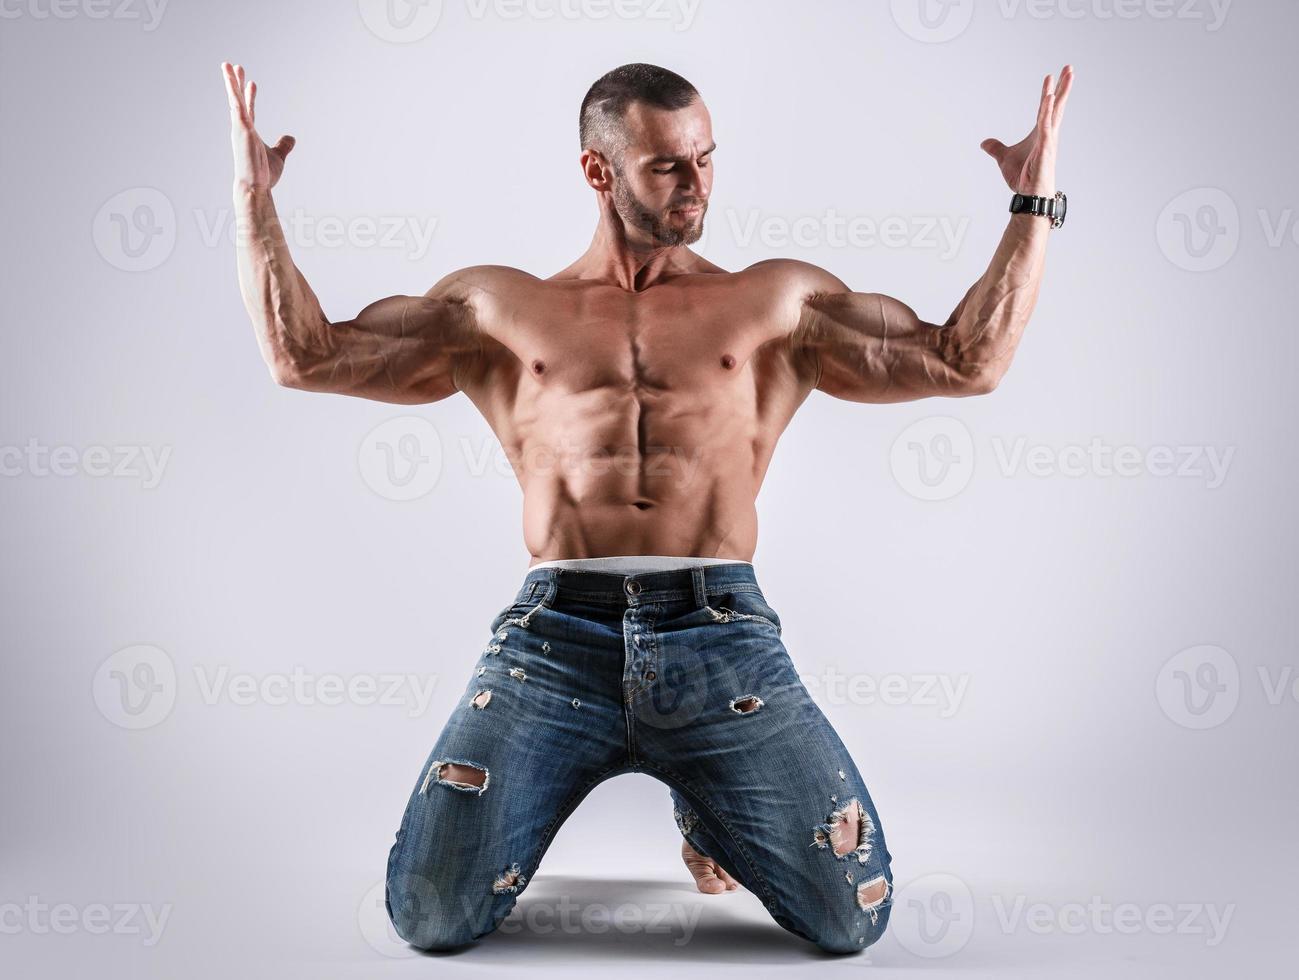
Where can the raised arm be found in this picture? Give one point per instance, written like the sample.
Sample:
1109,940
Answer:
868,347
403,349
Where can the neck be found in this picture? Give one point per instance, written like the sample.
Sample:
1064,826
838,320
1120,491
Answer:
627,257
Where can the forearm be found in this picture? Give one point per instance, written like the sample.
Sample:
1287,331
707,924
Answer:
984,330
287,317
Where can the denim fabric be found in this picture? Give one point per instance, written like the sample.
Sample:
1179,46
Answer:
593,674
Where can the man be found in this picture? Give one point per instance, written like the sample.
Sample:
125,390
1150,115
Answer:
639,394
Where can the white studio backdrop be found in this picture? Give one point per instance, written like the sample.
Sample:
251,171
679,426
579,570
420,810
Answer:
1054,625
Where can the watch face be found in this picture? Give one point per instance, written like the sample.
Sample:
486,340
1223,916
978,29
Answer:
1061,208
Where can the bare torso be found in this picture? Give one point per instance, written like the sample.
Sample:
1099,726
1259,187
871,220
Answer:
636,422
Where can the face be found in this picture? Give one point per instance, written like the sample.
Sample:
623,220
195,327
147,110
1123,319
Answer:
665,176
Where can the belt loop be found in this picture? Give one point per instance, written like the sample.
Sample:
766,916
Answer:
549,585
701,595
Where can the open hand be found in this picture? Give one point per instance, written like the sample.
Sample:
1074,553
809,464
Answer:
257,166
1029,165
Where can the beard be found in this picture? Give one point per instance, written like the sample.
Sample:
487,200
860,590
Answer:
636,214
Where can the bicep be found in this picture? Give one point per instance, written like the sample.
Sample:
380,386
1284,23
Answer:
400,349
874,348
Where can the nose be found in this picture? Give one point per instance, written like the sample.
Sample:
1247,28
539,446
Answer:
695,181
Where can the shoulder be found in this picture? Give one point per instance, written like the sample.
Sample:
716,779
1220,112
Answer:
462,283
793,280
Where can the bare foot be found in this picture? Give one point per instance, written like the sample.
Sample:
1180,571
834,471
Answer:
710,877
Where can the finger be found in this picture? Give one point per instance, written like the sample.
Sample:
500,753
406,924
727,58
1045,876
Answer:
252,103
1044,107
1062,95
284,144
709,883
232,91
994,148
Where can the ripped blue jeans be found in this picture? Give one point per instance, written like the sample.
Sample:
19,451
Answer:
680,674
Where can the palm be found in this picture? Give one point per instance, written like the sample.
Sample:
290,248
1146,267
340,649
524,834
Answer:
257,165
1029,165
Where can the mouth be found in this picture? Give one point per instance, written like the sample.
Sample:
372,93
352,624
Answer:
690,212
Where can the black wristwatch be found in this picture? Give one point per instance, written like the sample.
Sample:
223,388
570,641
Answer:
1047,207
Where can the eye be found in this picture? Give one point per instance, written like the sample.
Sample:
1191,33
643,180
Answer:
668,171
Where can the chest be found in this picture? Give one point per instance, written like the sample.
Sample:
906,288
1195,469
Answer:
665,339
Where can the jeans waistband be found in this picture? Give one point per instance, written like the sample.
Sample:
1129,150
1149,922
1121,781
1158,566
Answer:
675,585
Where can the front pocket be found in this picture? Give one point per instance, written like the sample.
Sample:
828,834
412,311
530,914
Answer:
744,606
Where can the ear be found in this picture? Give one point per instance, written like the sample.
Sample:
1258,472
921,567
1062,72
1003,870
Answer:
596,170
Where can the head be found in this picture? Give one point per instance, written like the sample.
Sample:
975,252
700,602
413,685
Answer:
647,141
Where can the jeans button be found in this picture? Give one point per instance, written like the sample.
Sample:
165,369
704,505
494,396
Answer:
633,587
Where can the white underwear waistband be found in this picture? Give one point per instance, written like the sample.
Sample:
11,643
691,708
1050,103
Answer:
635,564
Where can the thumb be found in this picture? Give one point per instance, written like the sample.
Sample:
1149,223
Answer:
994,148
284,144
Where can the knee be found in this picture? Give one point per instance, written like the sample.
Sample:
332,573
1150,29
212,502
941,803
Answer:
850,930
424,919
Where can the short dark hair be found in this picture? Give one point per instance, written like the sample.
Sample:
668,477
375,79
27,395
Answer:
605,105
